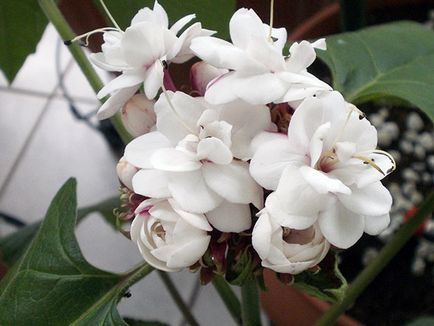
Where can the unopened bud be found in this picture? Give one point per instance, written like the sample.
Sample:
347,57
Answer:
201,74
126,171
138,115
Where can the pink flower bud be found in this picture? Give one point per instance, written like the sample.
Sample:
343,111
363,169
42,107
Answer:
201,74
126,171
138,115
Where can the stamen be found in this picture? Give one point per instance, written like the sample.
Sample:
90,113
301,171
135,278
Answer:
89,34
109,14
271,20
367,160
390,157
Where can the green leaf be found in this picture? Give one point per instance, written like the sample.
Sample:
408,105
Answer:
52,284
13,245
326,284
21,26
239,271
213,14
422,321
391,60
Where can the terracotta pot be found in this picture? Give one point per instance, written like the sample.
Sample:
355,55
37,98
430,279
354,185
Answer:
286,306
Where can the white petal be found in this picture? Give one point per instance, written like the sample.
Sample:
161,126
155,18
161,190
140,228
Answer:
372,200
197,220
322,183
115,102
142,44
214,150
243,24
340,226
191,192
261,235
230,217
153,80
376,224
126,80
139,151
345,150
202,73
171,159
136,226
269,161
320,44
180,120
152,260
302,55
233,182
189,253
151,183
317,143
181,23
292,217
222,54
99,60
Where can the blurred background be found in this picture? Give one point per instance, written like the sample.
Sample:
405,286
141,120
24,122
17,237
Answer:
48,132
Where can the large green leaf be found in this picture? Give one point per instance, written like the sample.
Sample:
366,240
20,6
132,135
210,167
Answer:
21,26
52,284
214,14
13,245
392,60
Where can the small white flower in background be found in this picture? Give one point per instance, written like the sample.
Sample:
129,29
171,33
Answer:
190,157
286,250
139,53
138,115
259,73
328,171
169,238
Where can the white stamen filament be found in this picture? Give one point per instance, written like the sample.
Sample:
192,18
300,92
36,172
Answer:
89,34
369,161
109,14
271,20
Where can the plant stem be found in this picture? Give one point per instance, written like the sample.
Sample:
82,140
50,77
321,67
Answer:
185,310
56,18
250,304
228,297
136,274
374,268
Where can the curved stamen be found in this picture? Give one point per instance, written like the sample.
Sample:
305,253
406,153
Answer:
369,161
109,14
89,34
390,157
271,21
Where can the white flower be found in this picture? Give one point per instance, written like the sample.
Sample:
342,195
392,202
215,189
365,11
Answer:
190,158
169,238
259,73
201,74
138,115
287,250
139,53
328,171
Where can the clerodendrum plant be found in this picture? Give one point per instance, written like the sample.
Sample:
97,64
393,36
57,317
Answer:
215,153
257,164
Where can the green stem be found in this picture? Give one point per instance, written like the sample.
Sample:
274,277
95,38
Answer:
250,304
135,275
185,310
229,298
56,18
374,268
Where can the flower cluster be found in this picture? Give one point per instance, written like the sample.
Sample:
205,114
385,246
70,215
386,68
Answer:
259,152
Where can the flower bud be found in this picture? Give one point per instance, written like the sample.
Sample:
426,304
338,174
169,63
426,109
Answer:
168,237
201,74
138,115
126,172
287,250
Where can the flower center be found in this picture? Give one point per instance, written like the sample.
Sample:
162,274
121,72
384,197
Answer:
158,230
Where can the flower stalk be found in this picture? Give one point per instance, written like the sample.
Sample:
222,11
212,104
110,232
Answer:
56,18
185,310
381,261
250,310
229,298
